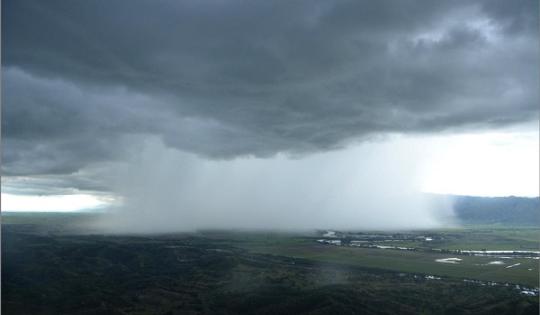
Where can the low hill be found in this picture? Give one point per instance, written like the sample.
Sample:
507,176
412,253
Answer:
513,211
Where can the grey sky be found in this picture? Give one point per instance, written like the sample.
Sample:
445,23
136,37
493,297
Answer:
87,85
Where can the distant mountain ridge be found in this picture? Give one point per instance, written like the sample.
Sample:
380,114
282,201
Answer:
511,210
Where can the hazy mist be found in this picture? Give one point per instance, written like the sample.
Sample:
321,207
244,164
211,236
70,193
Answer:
372,186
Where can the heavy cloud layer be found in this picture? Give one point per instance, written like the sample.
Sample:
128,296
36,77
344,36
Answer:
224,79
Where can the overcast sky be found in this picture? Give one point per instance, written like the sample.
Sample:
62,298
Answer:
87,85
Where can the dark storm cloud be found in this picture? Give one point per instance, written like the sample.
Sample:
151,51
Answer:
229,78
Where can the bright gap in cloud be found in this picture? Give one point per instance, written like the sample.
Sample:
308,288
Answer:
484,164
53,203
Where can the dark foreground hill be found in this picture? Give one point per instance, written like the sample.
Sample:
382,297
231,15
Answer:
50,273
513,211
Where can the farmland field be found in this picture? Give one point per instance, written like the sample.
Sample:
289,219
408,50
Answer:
473,267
